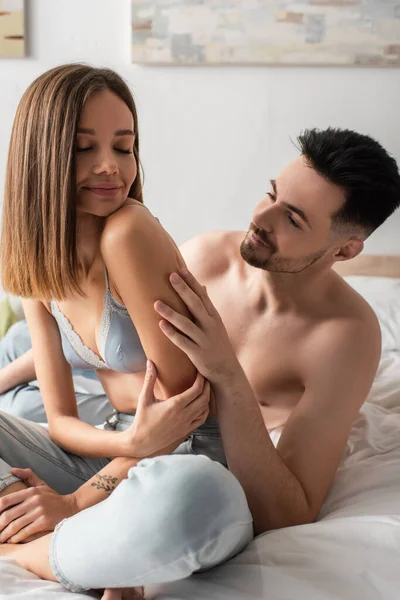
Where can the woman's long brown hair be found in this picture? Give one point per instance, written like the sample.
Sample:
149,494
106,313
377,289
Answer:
38,246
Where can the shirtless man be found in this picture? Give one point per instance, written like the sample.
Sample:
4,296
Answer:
307,345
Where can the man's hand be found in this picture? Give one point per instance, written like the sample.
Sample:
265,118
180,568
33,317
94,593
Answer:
205,339
28,514
162,424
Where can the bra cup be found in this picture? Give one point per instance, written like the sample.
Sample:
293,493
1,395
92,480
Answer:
123,350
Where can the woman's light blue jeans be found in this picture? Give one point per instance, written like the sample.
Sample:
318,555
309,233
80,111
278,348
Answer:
172,516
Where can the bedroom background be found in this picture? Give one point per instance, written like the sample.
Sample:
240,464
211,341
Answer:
211,137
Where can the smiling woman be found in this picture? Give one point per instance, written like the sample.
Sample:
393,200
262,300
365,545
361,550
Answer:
38,229
90,261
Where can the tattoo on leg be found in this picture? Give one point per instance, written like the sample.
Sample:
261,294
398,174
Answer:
105,482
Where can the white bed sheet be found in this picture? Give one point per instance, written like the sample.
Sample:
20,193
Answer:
352,552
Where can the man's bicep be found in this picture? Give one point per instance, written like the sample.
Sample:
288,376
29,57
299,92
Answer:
315,435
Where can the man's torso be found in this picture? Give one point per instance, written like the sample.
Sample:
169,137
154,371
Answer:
275,348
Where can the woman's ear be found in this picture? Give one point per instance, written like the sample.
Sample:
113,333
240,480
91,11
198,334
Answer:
349,250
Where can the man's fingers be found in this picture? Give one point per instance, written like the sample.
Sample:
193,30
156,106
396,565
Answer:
177,338
180,322
192,299
198,289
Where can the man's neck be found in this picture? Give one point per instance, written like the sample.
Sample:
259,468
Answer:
291,292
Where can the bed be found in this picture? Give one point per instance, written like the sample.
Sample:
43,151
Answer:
353,551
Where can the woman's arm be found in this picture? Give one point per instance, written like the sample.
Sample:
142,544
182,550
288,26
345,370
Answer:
20,370
56,386
140,255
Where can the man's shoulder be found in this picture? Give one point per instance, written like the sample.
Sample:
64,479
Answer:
351,330
212,253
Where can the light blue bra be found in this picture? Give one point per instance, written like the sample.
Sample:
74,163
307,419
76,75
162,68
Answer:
119,344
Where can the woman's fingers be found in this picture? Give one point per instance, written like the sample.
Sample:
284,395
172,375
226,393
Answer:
8,517
14,528
28,476
15,498
180,322
201,419
189,395
201,403
23,534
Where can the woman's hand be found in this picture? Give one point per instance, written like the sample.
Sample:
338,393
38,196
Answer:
159,424
205,339
28,514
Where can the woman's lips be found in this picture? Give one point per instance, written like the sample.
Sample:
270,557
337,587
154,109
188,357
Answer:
104,190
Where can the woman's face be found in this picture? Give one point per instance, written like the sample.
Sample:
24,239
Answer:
105,163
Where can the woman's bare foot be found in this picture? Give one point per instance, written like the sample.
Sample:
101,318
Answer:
8,549
123,594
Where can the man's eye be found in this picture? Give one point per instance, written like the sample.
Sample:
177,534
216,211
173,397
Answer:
83,149
293,222
272,196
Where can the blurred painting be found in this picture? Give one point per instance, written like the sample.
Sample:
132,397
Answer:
12,26
302,32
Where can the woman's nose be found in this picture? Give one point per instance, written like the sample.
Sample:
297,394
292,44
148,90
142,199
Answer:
107,164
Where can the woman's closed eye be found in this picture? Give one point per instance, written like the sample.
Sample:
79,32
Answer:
121,150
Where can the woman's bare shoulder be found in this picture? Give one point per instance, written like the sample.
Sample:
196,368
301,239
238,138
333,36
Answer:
132,236
133,222
35,305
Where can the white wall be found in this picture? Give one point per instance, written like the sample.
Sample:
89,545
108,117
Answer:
211,137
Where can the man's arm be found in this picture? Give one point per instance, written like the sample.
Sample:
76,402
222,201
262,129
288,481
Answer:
284,486
287,486
20,370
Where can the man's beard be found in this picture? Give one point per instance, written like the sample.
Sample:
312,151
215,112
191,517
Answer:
276,264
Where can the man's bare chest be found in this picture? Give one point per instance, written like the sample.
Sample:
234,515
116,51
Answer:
270,351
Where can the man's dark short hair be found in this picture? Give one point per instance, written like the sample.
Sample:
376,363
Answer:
359,165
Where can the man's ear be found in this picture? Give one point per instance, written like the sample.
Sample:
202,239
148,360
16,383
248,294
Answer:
349,250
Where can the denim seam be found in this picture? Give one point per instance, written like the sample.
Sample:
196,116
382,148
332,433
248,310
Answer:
38,450
55,567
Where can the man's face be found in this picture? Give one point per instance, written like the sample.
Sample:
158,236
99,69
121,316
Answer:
292,226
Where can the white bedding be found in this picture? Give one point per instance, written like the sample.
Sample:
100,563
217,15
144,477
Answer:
352,552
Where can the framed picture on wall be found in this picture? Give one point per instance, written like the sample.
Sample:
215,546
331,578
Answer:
12,28
240,32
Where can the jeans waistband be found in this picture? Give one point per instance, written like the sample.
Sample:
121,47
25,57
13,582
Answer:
210,426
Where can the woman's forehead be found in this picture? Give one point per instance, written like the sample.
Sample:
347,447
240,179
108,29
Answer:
106,110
